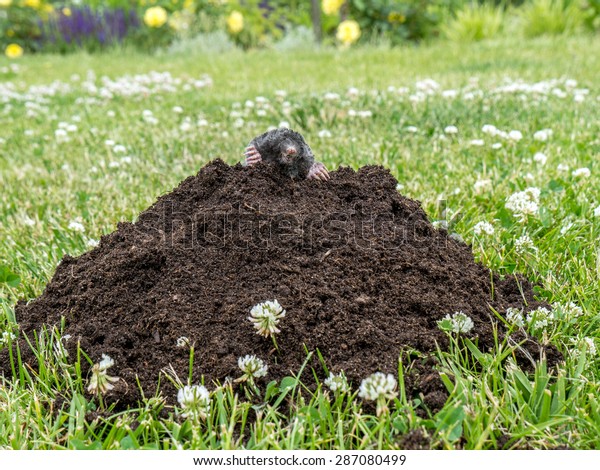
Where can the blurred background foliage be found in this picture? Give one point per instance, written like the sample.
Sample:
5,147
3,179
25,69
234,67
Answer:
62,26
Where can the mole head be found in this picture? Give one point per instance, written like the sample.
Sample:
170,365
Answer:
290,146
287,149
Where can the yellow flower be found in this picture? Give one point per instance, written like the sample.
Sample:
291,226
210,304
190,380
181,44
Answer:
13,51
331,7
395,17
235,22
348,32
35,4
155,17
66,11
5,3
188,5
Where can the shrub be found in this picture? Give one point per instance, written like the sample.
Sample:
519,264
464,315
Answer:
84,28
398,21
475,22
253,23
552,17
19,24
591,9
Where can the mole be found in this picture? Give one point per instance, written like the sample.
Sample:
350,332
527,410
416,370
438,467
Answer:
289,151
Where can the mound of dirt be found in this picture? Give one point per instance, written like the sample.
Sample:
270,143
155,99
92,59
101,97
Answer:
359,269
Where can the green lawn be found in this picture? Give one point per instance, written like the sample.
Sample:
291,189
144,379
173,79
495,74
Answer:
64,184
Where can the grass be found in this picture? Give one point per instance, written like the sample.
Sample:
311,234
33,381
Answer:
50,186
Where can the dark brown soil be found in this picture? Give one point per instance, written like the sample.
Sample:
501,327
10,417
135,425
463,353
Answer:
358,267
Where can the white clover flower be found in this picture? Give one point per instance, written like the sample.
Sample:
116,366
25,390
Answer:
324,134
265,317
524,203
378,387
477,142
183,342
76,226
202,122
515,136
91,243
186,126
540,158
365,114
497,146
284,124
581,173
119,149
249,104
195,401
101,382
570,83
562,167
568,311
482,185
483,228
331,96
451,130
337,382
412,129
252,367
450,93
353,92
489,129
590,345
280,93
543,135
106,362
597,211
261,112
177,109
109,143
148,116
565,228
458,323
28,221
514,316
6,338
539,318
114,164
524,244
61,135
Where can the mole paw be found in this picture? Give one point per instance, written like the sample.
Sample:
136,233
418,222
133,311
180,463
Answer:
319,172
252,155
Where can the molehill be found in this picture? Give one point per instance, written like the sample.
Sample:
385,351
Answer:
359,269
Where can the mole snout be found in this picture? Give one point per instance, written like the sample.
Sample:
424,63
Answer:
288,151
